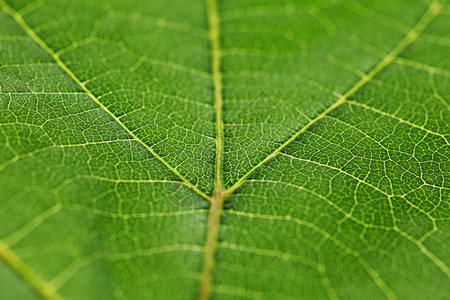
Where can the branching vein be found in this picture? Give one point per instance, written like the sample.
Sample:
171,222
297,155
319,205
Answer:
410,37
18,18
49,291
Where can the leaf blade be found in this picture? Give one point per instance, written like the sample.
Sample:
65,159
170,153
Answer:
361,185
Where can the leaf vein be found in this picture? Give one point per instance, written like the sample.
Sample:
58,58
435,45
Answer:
21,22
410,37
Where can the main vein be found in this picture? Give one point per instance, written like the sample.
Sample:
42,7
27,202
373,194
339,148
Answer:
216,202
18,18
410,37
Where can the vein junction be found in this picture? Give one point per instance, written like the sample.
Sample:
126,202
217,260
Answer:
217,200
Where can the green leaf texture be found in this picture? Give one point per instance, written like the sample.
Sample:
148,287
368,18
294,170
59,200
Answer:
224,149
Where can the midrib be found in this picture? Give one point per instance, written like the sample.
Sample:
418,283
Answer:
216,202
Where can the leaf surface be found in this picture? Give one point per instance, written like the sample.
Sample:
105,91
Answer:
224,149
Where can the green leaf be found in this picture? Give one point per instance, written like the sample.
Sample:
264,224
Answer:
224,149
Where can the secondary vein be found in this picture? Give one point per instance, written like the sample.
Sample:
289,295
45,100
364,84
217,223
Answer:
433,10
21,22
43,288
216,202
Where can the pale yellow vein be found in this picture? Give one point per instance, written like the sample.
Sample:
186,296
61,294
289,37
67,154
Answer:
410,37
216,202
43,288
21,22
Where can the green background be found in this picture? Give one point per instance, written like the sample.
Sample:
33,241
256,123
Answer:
336,135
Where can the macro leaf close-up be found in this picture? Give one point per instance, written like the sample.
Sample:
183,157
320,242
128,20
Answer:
224,149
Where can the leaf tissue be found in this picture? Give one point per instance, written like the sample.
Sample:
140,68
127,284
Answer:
224,149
